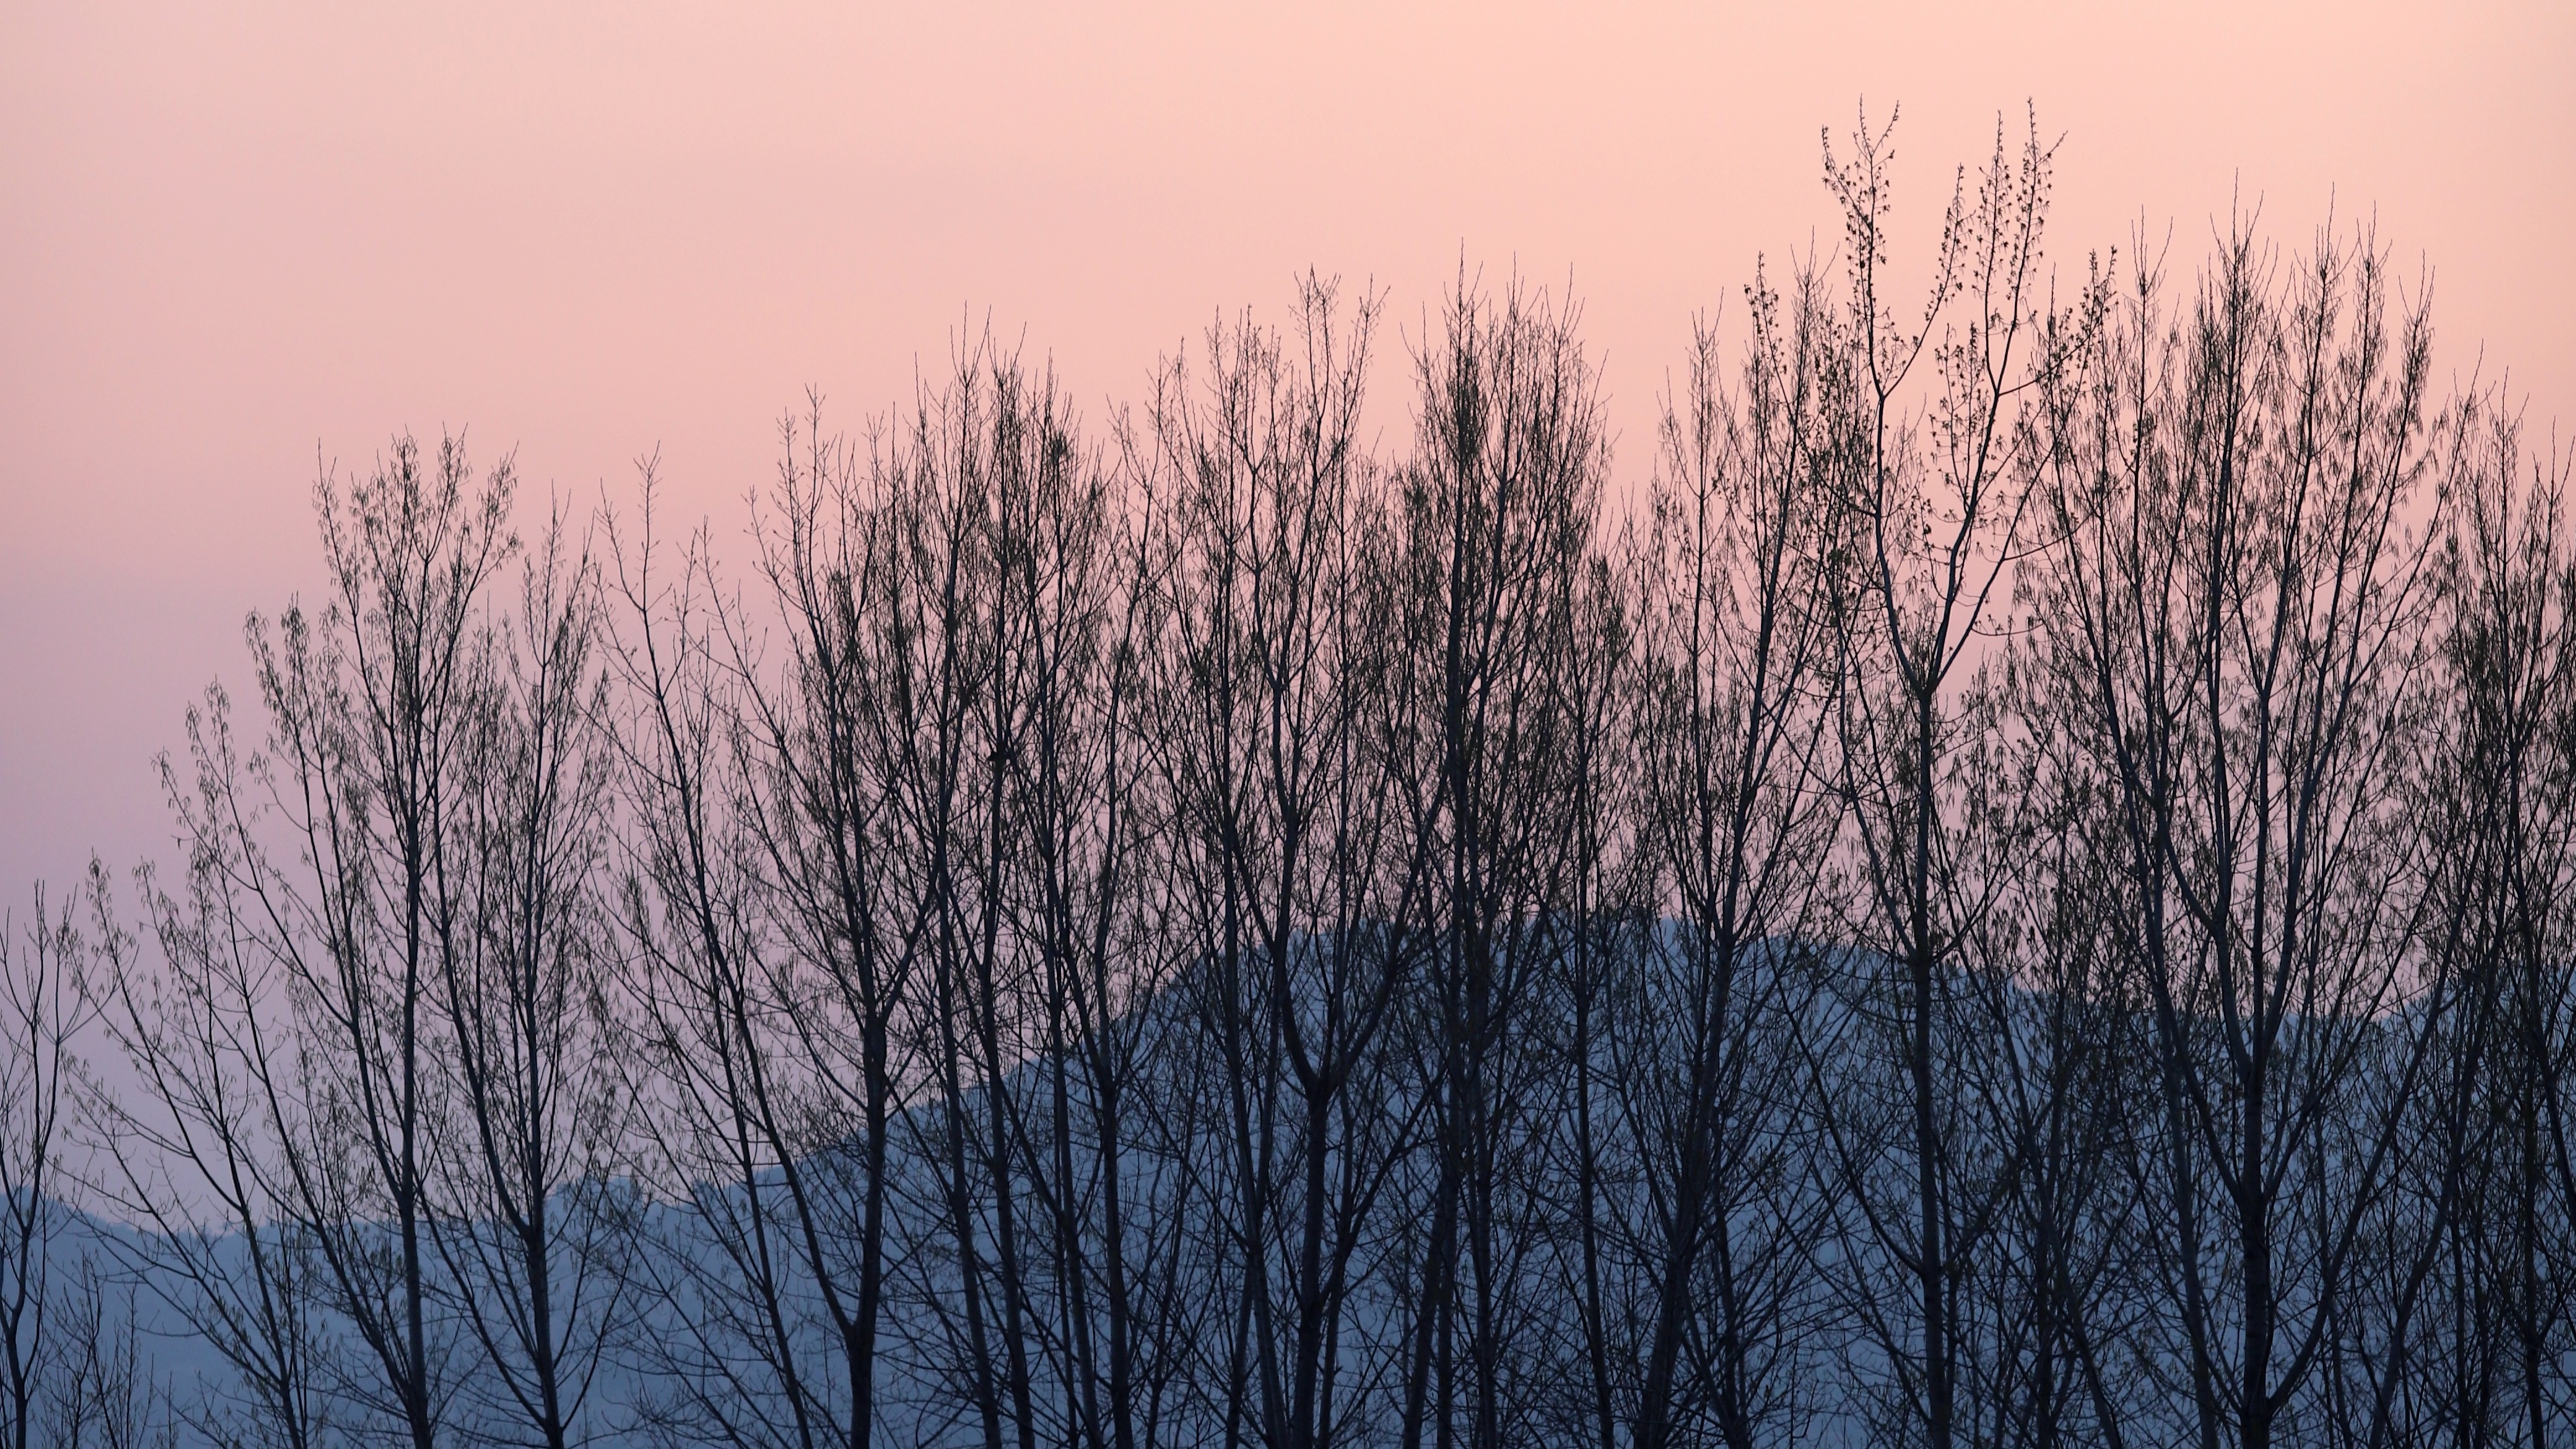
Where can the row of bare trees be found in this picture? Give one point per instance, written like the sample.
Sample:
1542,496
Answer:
2016,893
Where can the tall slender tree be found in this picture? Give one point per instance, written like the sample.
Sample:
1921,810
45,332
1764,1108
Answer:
1929,459
2241,598
332,848
529,1228
1733,719
1499,508
45,1004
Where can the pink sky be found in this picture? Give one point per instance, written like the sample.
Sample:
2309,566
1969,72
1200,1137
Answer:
234,234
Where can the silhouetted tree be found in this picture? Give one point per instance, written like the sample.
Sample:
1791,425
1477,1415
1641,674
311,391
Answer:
1498,509
45,1003
1287,841
1733,719
1929,457
529,1226
2241,602
331,853
193,1155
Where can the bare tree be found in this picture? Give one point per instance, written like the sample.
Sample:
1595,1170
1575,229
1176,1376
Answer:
728,1363
332,848
1072,569
1734,718
528,1228
106,1393
1286,836
45,1004
1933,513
943,719
2489,1155
1498,508
761,975
2241,600
192,1156
2055,1290
1599,918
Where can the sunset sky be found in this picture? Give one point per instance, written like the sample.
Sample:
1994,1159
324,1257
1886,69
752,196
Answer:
237,238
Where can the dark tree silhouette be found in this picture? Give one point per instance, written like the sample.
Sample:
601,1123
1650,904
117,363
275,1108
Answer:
2014,892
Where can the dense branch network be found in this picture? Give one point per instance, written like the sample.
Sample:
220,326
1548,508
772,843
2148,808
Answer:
2014,892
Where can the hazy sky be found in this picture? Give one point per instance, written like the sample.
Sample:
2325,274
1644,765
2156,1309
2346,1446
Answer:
235,238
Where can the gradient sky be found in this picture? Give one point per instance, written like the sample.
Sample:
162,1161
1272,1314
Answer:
235,238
